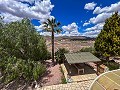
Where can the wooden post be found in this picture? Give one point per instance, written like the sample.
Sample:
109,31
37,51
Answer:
70,69
97,68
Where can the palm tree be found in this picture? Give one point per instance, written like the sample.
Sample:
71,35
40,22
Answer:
52,26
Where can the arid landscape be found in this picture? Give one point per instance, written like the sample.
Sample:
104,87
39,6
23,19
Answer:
59,45
72,44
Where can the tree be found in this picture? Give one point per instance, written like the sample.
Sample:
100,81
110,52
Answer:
108,41
59,55
1,22
52,26
22,50
21,40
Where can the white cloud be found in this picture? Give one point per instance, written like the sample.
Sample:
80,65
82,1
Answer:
90,6
71,30
75,33
70,27
41,9
103,14
107,9
86,23
99,22
39,28
45,33
97,10
28,1
96,27
9,18
100,18
91,33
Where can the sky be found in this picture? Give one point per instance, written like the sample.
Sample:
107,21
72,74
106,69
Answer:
77,17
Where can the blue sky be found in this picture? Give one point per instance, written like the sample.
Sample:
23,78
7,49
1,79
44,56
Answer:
78,17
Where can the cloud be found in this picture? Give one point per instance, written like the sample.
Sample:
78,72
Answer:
90,6
107,9
9,18
103,14
100,18
70,27
98,21
71,30
96,27
28,1
39,28
91,33
41,9
86,23
45,33
75,33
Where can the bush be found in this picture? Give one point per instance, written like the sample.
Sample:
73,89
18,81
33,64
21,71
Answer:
87,49
21,40
21,51
16,68
59,55
90,49
63,77
63,80
107,42
112,65
48,55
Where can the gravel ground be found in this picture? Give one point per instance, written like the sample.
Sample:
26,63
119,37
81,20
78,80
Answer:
53,75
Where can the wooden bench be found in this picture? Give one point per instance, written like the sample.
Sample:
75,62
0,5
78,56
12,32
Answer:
79,68
93,65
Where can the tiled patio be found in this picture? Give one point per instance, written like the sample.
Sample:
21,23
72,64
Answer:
88,75
70,86
80,82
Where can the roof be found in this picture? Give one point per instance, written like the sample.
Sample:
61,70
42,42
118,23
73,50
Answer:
107,81
81,57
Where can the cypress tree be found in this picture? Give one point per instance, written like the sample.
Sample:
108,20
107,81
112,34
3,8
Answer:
108,41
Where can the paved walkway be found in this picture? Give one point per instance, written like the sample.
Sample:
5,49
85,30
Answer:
70,86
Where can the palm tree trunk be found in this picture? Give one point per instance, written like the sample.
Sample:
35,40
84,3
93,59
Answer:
53,47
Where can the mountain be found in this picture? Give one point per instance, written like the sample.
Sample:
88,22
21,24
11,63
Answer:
71,38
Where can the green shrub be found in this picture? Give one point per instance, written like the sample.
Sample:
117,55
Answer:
59,55
63,80
21,40
87,49
90,49
16,68
21,51
63,77
112,65
48,55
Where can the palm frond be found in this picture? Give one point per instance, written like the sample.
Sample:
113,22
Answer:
58,30
54,20
44,23
55,25
49,22
48,29
58,23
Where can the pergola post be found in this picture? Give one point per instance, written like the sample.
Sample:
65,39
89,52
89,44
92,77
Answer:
70,69
97,68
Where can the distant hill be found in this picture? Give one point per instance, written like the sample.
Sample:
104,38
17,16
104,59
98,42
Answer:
71,38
